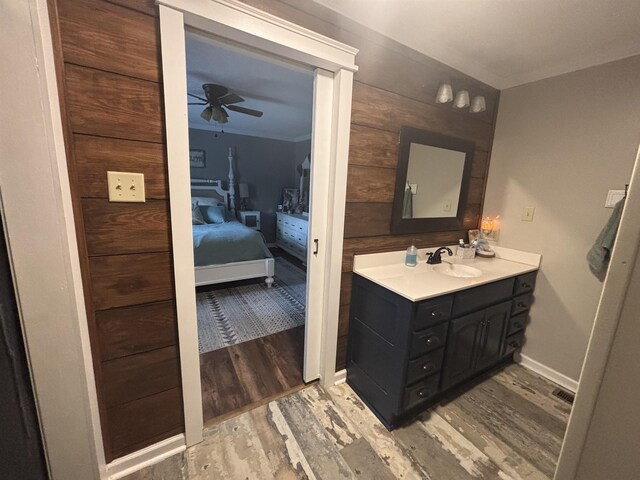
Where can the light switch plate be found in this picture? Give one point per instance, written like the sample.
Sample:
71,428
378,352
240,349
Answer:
414,188
527,214
446,207
613,197
125,187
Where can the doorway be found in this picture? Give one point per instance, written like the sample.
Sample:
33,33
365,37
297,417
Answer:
250,122
333,67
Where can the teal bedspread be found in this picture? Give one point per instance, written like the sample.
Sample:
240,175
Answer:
218,243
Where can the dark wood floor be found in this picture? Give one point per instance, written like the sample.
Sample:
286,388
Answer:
243,376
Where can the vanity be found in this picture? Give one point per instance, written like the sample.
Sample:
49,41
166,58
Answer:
418,333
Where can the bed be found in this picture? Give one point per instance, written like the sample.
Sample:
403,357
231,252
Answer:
227,250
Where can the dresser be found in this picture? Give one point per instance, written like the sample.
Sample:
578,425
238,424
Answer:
291,234
404,356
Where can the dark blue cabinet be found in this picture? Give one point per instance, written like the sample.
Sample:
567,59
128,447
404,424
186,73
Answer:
403,356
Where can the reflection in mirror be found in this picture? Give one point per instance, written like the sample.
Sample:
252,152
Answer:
434,178
432,182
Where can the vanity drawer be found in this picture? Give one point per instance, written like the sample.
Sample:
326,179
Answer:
424,366
517,323
525,283
421,391
432,312
513,342
428,340
482,296
521,304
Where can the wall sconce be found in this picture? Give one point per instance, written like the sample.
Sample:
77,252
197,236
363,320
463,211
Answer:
445,95
461,100
478,104
490,227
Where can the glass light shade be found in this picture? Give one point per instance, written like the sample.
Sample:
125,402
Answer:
478,104
445,93
462,99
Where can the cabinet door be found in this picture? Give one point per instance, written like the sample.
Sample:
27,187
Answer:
461,348
491,341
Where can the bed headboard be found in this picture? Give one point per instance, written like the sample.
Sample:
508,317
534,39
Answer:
215,190
209,192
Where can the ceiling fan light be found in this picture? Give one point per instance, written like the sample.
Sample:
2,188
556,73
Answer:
216,114
207,113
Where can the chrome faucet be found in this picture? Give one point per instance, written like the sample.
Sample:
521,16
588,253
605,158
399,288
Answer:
435,257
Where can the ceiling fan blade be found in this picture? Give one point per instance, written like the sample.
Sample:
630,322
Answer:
196,96
197,103
230,98
248,111
207,113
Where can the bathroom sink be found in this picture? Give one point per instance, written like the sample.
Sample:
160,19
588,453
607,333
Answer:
459,271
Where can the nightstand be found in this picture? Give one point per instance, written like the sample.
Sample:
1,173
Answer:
251,219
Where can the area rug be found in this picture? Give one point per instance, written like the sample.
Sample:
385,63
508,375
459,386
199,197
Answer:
234,315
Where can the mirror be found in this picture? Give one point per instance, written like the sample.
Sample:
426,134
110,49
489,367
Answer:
432,182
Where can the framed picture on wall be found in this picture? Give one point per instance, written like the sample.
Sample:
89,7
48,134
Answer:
197,158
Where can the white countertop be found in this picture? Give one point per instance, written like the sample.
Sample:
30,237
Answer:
422,282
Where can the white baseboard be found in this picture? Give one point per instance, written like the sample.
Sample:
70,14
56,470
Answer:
548,373
150,455
340,377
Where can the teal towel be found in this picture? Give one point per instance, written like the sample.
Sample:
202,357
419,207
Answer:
598,256
407,206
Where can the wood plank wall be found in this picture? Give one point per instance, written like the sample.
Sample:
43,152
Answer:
394,86
110,84
109,77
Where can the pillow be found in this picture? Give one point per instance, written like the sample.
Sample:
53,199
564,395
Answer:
213,214
204,201
196,216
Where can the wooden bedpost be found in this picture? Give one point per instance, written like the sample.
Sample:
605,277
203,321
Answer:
232,187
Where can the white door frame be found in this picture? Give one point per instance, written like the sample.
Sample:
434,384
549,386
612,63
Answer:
257,29
39,227
614,293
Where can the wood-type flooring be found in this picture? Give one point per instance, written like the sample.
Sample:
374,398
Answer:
509,426
243,376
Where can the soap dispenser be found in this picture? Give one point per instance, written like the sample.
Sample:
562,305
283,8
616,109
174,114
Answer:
411,259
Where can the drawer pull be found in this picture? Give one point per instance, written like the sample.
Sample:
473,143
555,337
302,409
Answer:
425,392
427,366
514,344
517,324
525,285
432,340
522,304
436,314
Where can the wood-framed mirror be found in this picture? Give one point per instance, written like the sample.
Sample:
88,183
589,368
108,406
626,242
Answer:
432,182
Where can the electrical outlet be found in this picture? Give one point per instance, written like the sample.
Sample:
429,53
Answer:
527,214
125,187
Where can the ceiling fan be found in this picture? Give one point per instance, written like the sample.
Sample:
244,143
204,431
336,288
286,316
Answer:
217,98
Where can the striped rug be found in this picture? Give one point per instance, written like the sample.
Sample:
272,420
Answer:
234,315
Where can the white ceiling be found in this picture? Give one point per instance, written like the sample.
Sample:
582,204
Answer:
506,42
282,91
